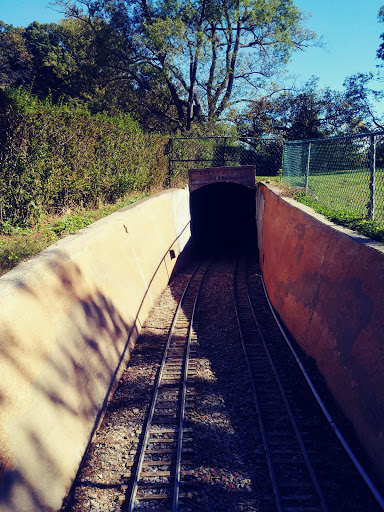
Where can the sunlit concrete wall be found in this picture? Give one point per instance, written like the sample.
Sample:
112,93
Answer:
327,284
69,319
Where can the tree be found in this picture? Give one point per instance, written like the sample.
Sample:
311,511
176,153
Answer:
360,95
380,51
209,55
78,60
361,100
304,113
15,58
41,40
25,57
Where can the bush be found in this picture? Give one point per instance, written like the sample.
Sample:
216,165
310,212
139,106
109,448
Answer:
55,157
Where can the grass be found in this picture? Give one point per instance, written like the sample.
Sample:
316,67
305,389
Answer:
20,244
346,191
342,216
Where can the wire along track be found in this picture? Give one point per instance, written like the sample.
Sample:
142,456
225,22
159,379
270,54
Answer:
308,466
182,431
295,485
161,463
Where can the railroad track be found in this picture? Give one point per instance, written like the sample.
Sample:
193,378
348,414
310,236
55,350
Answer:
298,439
200,448
163,458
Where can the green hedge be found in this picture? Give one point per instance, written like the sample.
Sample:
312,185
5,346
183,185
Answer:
57,156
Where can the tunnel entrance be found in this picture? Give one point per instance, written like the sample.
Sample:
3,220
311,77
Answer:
222,218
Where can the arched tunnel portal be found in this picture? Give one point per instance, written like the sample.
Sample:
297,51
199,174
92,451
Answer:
222,217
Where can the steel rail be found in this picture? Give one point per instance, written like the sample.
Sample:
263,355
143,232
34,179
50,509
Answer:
183,399
276,491
143,451
329,418
298,435
289,411
135,485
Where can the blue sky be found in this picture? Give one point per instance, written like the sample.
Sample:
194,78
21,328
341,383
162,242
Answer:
21,13
351,34
350,30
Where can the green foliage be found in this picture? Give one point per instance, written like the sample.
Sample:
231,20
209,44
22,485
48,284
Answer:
195,59
15,58
369,228
25,57
360,100
18,244
20,247
303,113
58,156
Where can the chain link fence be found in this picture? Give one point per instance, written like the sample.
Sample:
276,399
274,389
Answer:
345,173
201,152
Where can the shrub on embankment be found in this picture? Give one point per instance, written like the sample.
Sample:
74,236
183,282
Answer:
57,156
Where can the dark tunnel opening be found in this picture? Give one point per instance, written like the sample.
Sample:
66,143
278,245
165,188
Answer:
222,218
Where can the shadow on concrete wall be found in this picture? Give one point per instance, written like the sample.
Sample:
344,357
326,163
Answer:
80,366
78,378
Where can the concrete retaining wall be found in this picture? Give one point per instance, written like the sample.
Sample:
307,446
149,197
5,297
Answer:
327,284
68,321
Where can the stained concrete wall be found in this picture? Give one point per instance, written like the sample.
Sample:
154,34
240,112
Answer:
327,284
69,319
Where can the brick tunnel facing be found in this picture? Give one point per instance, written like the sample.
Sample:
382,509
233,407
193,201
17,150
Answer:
222,217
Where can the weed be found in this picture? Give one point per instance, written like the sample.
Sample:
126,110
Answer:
355,221
19,244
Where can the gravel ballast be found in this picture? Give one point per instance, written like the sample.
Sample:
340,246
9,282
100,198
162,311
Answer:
226,439
227,470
